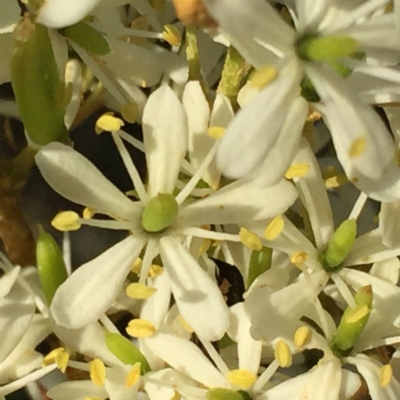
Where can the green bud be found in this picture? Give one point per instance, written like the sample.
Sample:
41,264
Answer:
260,261
159,213
340,244
308,91
37,87
50,263
224,394
326,48
87,37
126,351
349,330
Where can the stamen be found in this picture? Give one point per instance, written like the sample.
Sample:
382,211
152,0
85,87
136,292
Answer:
266,376
129,112
133,376
107,122
172,35
139,291
185,324
358,147
140,328
343,290
250,239
385,375
283,354
263,77
97,372
66,221
274,228
136,266
241,378
358,206
155,270
88,213
299,258
302,336
297,171
216,132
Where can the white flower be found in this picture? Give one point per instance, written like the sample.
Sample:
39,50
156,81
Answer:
363,145
90,290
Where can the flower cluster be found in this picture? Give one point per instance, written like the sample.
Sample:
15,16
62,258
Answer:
260,243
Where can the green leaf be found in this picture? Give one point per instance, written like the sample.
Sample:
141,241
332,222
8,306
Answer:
50,263
126,351
37,87
87,37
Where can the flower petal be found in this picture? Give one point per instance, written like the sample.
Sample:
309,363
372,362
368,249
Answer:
90,290
197,296
61,13
73,176
165,134
76,390
187,358
239,202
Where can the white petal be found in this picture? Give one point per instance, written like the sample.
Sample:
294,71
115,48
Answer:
61,13
256,127
116,387
165,139
7,281
249,22
77,179
89,341
389,224
76,390
197,296
187,358
351,382
388,270
90,290
310,14
349,120
239,202
314,196
280,155
73,75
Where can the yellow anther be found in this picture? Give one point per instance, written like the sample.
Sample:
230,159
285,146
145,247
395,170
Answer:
88,213
298,258
297,171
357,148
129,112
66,221
58,356
51,357
97,372
313,116
274,228
140,328
107,122
133,375
263,77
93,398
205,245
358,312
336,181
155,270
216,132
283,355
302,336
136,266
385,375
241,378
139,291
185,324
172,35
250,239
143,83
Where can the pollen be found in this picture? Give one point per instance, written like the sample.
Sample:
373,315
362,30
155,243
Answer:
283,354
385,375
172,35
97,372
274,228
302,336
129,112
241,378
250,239
66,221
263,77
155,270
140,328
216,132
139,291
297,171
58,356
357,313
107,122
133,376
358,147
299,258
